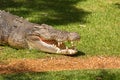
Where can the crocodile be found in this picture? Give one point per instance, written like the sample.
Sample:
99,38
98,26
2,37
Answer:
20,33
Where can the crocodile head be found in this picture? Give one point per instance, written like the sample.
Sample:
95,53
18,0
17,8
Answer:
48,39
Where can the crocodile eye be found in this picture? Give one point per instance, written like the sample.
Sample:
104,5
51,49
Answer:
15,26
35,28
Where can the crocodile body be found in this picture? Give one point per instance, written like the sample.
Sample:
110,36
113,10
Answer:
20,33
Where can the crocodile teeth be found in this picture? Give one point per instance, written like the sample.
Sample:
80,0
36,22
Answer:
72,43
54,46
67,48
59,43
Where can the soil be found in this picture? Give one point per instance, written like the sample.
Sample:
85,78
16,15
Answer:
59,63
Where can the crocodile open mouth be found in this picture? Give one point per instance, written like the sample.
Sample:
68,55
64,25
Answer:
67,47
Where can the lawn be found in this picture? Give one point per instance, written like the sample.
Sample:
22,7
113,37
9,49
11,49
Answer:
97,22
66,75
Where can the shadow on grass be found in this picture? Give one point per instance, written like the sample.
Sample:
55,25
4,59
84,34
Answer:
56,12
25,76
106,75
118,5
79,53
65,75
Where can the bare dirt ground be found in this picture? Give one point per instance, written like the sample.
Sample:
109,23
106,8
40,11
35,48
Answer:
59,63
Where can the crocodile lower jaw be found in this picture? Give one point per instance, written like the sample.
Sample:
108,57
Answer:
59,47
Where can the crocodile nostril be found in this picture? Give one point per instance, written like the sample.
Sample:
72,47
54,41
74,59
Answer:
73,36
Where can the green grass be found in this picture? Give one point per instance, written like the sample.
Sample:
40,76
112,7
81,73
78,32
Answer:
10,53
66,75
97,21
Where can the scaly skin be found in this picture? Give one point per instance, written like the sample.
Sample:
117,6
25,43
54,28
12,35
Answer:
19,33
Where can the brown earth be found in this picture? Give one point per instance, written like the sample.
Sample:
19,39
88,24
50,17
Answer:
57,64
